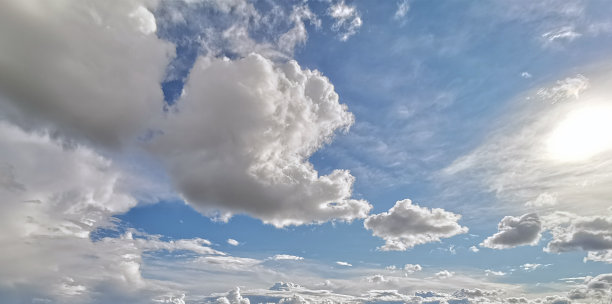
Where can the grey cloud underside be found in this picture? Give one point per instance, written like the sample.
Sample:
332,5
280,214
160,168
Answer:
406,225
240,137
70,73
516,231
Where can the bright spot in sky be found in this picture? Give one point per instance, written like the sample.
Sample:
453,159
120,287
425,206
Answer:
584,133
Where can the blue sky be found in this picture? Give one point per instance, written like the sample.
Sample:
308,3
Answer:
320,151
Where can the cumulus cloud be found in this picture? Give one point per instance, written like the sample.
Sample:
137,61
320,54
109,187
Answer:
348,19
474,249
444,274
516,231
410,268
406,225
233,242
239,140
589,233
85,70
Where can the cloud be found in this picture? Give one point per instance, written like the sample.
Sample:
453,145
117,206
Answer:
233,297
494,273
530,267
348,20
566,33
543,200
377,278
247,128
589,233
516,231
410,268
444,274
474,249
403,7
566,89
526,75
343,263
286,257
88,76
233,242
406,225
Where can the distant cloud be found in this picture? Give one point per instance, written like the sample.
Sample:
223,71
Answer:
543,200
531,267
569,88
377,278
515,231
280,257
444,274
494,273
410,268
571,232
348,19
474,249
403,7
565,33
343,264
406,225
526,75
233,242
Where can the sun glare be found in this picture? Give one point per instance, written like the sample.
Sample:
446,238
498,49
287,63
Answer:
583,134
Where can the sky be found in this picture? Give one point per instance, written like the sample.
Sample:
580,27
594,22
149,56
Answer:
311,151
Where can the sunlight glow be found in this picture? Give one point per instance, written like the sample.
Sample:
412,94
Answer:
584,133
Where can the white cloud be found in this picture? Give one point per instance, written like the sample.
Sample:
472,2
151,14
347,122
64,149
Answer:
474,249
247,128
348,19
410,268
403,7
233,242
543,200
566,33
406,225
444,274
494,273
343,263
82,69
530,267
516,231
526,75
377,278
280,257
566,89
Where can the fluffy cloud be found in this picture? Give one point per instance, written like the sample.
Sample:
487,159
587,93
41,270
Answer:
406,225
516,231
589,233
410,268
233,242
444,274
239,140
348,19
85,70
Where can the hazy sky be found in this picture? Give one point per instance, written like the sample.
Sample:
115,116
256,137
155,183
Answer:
312,151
